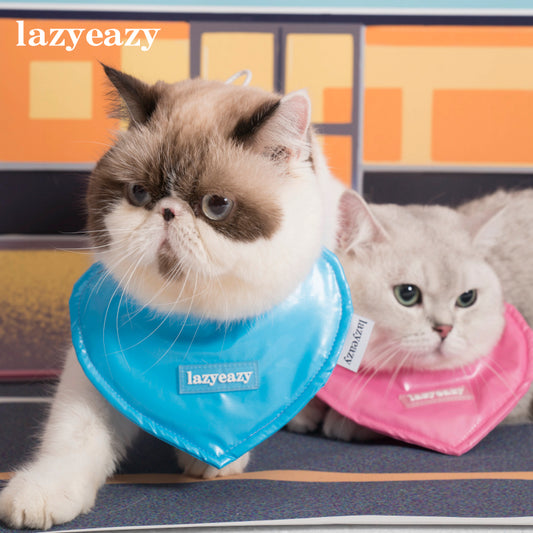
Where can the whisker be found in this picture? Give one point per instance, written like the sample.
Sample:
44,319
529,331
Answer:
177,336
124,290
106,353
491,366
108,268
397,370
388,353
161,322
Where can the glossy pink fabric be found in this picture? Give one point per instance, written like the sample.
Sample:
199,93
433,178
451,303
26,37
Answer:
449,411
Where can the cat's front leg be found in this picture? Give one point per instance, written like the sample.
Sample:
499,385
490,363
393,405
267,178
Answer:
339,427
197,468
82,442
309,418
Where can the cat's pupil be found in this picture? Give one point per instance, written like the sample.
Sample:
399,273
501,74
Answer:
467,299
407,294
216,207
138,195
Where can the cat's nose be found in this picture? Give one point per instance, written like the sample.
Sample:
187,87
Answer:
443,330
168,214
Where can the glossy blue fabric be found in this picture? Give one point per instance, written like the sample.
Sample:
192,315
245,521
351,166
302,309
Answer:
254,375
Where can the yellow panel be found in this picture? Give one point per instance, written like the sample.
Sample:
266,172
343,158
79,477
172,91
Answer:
449,67
418,71
60,90
224,54
167,60
316,62
489,126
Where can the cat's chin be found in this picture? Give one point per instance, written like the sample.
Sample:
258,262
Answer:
428,352
224,297
168,263
439,360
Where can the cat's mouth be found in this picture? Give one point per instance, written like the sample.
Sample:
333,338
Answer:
437,359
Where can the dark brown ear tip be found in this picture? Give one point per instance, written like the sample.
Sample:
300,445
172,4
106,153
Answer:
111,73
119,78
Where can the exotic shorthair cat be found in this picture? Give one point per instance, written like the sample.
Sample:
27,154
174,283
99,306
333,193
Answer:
434,281
210,203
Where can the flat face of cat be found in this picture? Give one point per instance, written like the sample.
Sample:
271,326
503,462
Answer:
209,202
435,301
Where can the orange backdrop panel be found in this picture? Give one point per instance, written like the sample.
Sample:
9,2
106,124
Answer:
338,151
382,125
448,36
23,139
338,104
483,125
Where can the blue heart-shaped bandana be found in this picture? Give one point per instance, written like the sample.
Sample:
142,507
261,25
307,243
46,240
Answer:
213,389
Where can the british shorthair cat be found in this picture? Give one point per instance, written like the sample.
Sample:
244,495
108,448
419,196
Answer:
434,281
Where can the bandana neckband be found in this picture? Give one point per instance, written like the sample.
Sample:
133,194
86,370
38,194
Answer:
213,389
449,411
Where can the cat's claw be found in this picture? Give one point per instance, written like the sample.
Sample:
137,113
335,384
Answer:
196,468
30,501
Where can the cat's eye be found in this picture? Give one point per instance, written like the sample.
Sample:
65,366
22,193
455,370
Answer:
216,207
138,195
408,294
467,299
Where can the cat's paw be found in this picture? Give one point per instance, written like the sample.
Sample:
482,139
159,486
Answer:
32,501
339,427
309,418
196,468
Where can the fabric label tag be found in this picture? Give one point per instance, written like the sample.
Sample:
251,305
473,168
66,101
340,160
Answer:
356,342
218,377
429,397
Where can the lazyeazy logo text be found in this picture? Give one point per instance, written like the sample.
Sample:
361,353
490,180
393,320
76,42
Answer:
451,394
355,343
218,377
68,38
222,377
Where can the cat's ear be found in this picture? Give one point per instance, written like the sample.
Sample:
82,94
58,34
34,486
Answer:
279,129
139,98
486,230
357,226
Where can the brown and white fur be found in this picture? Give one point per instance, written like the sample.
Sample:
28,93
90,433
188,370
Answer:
210,204
484,247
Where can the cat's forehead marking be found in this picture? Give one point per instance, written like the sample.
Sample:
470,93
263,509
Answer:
214,107
202,164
